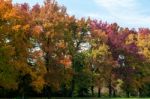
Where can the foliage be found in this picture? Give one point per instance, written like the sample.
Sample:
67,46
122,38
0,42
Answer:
45,51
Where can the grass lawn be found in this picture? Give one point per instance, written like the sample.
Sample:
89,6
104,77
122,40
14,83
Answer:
81,98
100,98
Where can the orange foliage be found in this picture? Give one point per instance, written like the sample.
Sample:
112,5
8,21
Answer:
16,27
37,30
38,84
66,61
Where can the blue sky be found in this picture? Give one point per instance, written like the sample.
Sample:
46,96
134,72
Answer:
127,13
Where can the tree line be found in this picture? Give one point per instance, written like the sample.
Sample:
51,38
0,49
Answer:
46,52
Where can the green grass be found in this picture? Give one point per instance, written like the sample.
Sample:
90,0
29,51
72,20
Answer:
81,98
100,98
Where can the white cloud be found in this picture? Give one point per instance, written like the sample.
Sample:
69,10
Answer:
118,6
113,3
102,17
127,12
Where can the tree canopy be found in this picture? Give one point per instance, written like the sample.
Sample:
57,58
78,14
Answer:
46,51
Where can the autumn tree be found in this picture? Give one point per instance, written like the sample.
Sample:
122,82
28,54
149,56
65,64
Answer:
15,33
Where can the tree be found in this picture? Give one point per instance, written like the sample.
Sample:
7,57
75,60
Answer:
8,75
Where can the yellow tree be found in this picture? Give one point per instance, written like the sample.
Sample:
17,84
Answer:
16,45
101,59
8,74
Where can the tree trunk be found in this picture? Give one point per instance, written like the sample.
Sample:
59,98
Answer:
110,91
92,90
64,90
72,87
128,94
110,88
114,93
49,96
139,92
23,95
99,92
47,91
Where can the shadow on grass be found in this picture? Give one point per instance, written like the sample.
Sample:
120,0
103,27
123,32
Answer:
73,98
